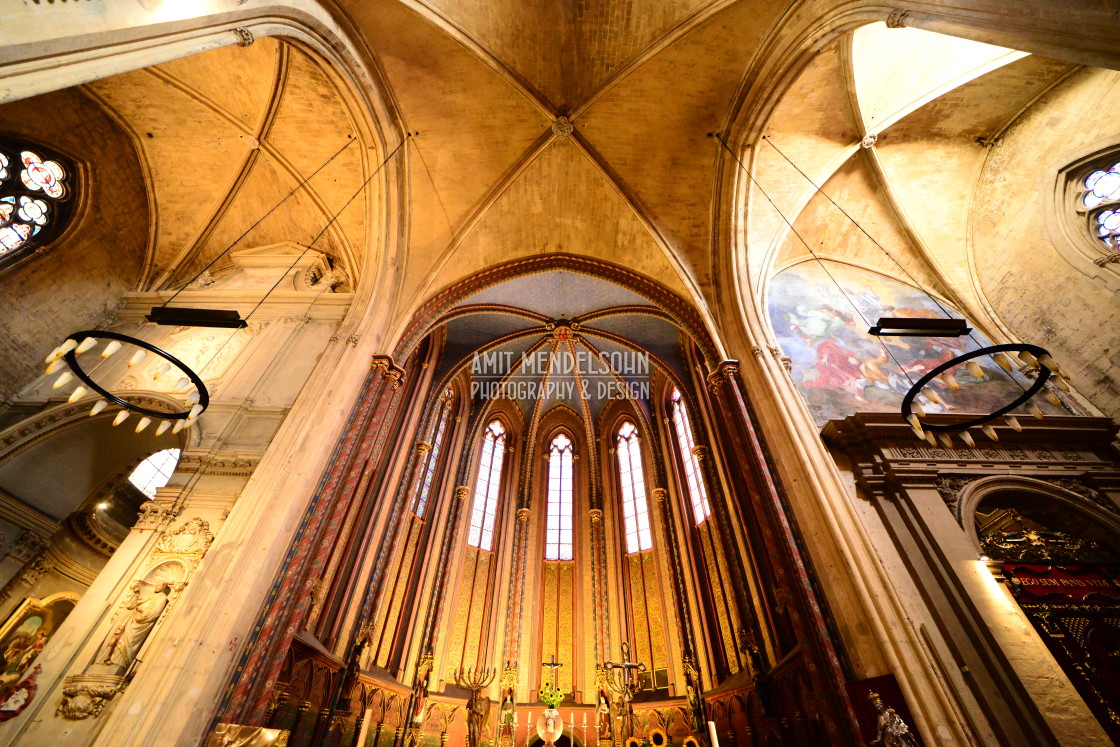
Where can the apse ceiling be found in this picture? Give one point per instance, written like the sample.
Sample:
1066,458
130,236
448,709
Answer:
560,338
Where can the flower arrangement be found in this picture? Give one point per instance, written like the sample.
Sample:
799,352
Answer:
690,742
551,695
657,738
634,742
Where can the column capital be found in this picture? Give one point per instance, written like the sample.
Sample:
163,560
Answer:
389,370
523,515
423,447
596,515
462,492
660,495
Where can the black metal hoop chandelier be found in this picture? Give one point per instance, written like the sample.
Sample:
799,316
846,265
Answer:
1033,358
1029,355
196,397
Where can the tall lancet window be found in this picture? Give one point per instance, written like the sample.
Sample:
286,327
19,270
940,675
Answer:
427,474
634,509
486,488
558,530
693,476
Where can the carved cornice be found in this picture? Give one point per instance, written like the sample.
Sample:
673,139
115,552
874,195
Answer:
238,466
157,514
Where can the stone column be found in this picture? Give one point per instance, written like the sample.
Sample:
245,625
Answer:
767,504
303,567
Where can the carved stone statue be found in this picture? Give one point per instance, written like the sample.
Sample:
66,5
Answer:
892,731
124,643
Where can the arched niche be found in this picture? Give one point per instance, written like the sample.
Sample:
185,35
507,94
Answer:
1020,519
1059,555
58,468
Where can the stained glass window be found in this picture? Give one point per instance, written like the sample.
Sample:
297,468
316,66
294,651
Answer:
428,471
635,511
693,476
486,488
1102,199
558,529
33,197
154,472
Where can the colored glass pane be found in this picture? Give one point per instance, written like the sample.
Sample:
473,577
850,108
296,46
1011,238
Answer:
635,510
558,528
481,534
694,478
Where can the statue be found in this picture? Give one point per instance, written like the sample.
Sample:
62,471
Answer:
697,708
892,730
123,644
506,717
606,732
478,704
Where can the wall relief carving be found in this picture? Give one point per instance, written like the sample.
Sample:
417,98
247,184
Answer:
151,596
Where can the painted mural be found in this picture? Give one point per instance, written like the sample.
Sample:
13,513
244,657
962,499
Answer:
840,369
26,631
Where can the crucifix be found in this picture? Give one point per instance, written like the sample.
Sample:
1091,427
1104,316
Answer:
623,680
553,665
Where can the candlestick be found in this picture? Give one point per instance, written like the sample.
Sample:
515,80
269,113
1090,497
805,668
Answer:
712,733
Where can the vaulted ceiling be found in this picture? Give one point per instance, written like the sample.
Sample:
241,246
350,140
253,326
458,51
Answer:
584,127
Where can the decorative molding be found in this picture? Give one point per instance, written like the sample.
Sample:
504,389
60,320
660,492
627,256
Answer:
245,37
950,489
29,545
192,538
238,466
157,514
562,128
86,695
897,18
